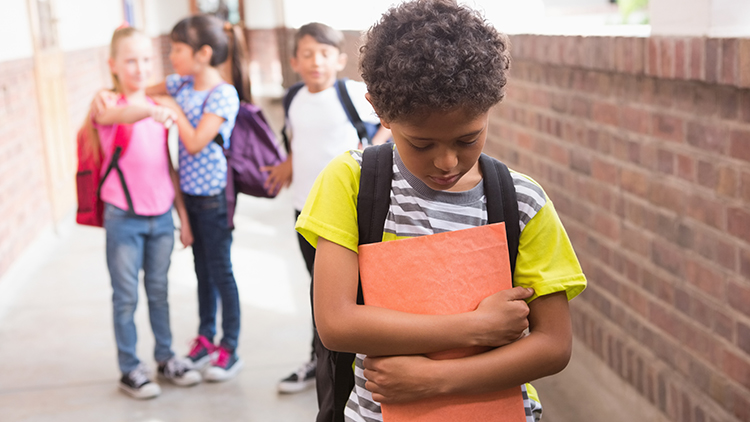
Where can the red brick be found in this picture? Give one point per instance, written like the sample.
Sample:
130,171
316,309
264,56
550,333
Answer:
728,182
667,127
744,105
686,167
745,263
635,120
743,337
740,144
738,295
665,162
708,174
712,60
668,257
605,113
740,404
668,196
652,61
705,102
737,368
743,52
604,171
738,223
728,102
729,61
634,182
707,137
707,279
680,59
697,57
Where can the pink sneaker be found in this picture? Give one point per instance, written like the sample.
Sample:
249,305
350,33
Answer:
225,366
201,353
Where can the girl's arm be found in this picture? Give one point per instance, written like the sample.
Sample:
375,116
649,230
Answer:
345,326
158,89
134,112
186,233
194,138
545,351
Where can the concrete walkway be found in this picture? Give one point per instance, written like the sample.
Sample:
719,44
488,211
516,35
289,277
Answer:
57,350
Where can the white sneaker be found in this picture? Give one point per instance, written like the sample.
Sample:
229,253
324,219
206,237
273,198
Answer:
300,380
138,385
179,372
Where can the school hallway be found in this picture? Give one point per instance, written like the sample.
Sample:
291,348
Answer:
58,357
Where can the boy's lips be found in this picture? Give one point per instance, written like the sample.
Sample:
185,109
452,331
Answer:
444,180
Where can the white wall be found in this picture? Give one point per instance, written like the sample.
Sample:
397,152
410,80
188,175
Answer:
162,15
15,31
87,23
263,14
713,18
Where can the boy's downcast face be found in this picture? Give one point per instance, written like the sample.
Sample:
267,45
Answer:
443,148
317,63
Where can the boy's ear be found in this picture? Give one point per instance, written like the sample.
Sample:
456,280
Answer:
294,63
384,123
342,62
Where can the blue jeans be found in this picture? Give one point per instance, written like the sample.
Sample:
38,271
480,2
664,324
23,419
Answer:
212,241
135,242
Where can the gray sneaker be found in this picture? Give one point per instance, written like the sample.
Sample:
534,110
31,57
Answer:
138,385
300,380
179,372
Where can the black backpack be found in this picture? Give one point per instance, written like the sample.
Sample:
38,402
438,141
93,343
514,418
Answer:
373,202
365,130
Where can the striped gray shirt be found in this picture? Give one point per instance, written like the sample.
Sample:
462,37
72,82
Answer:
418,210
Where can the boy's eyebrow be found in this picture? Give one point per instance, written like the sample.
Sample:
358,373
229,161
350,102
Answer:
475,133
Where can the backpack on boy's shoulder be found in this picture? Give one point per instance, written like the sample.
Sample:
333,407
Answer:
373,203
365,130
89,177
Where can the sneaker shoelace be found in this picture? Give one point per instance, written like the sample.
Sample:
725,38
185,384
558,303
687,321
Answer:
222,358
176,367
199,344
139,376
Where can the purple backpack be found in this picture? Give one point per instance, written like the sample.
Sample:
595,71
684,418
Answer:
252,146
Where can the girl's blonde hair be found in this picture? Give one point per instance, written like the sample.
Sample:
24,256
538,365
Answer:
92,148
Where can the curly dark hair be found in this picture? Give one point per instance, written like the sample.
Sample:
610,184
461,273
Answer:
433,55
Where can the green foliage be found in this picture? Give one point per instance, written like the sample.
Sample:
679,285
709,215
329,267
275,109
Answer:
627,7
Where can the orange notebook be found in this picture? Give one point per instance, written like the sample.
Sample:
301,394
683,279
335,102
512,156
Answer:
441,274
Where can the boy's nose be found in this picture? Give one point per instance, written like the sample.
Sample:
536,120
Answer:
446,161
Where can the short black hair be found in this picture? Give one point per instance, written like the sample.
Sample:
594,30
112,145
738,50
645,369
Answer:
321,33
433,55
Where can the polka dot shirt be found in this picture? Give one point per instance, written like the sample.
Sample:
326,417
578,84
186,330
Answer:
205,173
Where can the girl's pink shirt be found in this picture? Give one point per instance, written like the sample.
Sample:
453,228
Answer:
145,166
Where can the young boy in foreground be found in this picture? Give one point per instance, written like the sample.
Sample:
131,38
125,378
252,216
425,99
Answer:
434,69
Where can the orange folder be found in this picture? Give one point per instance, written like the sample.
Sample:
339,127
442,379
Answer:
445,273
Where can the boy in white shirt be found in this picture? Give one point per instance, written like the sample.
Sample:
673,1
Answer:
321,130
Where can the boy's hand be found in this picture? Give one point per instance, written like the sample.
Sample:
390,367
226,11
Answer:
186,235
280,176
400,379
163,115
503,317
103,100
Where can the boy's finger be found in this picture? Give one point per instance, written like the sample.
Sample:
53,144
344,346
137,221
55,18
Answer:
520,293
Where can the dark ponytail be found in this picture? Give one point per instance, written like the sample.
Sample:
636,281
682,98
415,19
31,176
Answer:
199,30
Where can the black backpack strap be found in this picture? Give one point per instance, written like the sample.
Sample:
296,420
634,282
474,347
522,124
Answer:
373,200
351,112
502,204
114,164
287,102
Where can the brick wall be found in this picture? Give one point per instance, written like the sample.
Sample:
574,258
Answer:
25,205
24,200
643,144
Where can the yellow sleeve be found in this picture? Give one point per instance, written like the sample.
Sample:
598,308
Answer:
331,207
546,260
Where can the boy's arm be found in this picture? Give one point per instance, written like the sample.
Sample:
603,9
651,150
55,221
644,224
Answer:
545,351
345,326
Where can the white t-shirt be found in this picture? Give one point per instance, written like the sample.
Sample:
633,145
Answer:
320,131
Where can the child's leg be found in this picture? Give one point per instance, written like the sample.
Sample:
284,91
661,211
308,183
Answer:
124,260
207,305
158,250
211,222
